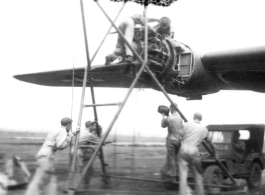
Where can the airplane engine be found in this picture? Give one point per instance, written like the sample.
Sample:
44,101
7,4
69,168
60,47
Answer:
158,53
179,69
186,75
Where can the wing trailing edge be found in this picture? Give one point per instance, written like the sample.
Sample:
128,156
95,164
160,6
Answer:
103,76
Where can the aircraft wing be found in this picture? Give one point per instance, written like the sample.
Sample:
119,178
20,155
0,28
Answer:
103,76
234,69
239,66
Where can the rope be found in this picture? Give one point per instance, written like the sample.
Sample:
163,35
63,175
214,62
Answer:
115,136
115,151
73,85
72,100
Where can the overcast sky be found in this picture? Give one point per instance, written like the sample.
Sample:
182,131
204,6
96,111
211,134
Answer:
47,35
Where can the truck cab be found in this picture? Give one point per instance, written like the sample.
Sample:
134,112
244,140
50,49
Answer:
250,165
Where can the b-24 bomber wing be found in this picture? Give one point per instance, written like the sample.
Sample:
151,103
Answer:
184,73
103,76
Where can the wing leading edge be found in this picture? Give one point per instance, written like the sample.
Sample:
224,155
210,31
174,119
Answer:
242,69
103,76
243,59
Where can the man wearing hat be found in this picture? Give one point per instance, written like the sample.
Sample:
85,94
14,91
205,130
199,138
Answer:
164,27
56,140
189,156
88,139
174,125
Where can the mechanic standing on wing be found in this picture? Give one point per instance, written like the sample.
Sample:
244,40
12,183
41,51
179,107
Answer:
88,140
189,156
174,124
56,140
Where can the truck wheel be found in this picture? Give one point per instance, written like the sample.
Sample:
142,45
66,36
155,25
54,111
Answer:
213,176
254,179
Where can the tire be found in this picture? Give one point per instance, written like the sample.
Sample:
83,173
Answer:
254,179
213,176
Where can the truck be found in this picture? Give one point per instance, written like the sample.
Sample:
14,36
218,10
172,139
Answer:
249,168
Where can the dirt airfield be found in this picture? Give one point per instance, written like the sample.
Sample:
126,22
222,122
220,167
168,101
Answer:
127,161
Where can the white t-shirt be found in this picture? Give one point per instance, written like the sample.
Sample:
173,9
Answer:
194,133
56,140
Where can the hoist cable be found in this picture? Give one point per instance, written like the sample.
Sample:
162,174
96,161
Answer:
134,132
72,103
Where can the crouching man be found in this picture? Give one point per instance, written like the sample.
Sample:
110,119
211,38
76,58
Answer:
127,26
88,141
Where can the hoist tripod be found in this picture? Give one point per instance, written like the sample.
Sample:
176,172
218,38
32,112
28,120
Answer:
74,186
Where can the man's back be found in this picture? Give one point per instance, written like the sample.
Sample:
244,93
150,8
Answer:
175,126
87,137
55,139
194,133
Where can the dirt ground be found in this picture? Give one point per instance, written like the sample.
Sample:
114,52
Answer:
127,161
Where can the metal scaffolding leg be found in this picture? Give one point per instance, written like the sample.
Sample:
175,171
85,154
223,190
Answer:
115,117
101,155
93,97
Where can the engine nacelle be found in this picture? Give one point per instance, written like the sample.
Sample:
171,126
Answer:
180,70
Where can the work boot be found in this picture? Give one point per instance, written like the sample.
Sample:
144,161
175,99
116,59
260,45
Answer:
129,59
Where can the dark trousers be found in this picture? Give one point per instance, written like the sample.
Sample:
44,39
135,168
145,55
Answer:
170,168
